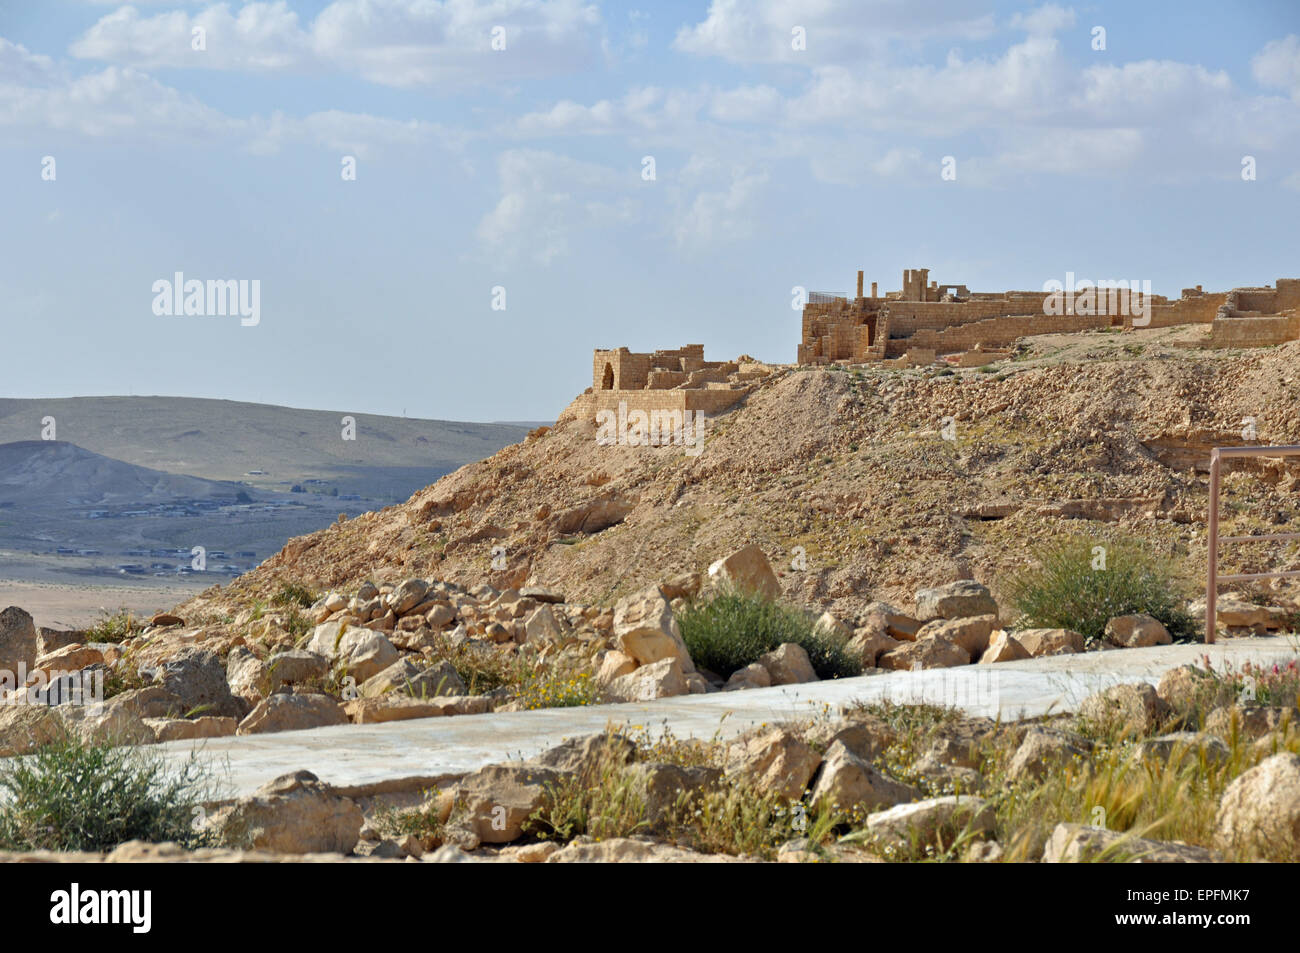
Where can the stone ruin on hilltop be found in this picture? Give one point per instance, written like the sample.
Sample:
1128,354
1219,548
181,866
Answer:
926,320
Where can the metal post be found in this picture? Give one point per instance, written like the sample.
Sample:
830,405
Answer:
1212,581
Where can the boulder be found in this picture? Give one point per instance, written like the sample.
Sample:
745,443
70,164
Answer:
933,652
846,781
956,600
585,755
1136,632
883,617
296,667
407,596
49,640
246,674
543,626
667,788
1003,647
937,819
1250,721
1129,710
752,675
661,679
1180,745
198,679
1040,642
1259,813
788,664
185,729
18,641
359,652
970,633
828,626
869,644
614,665
682,586
439,617
775,760
409,678
542,594
1042,750
645,629
497,800
70,658
294,814
1077,843
286,712
747,570
24,728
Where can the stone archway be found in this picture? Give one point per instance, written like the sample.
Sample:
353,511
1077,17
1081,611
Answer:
607,380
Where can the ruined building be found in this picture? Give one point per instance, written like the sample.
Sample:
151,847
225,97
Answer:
671,381
925,319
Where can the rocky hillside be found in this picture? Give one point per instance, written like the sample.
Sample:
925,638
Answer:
861,484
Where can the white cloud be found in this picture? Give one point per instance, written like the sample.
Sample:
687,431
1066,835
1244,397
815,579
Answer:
1277,65
546,198
401,43
760,31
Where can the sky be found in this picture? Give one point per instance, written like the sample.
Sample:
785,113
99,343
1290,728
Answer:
644,175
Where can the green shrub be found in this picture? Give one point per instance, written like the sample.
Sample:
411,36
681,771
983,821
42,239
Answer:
292,594
115,627
732,629
1064,590
77,795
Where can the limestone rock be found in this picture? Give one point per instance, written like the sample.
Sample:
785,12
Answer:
1250,721
542,626
1003,647
185,729
1040,642
933,652
775,760
645,629
1075,843
285,712
17,640
788,664
956,600
869,644
1136,632
970,633
848,781
498,799
296,667
1259,813
1131,710
941,819
661,679
294,814
407,596
358,651
747,570
1180,745
24,728
614,665
631,850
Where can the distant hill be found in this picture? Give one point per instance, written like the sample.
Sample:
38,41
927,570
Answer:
41,473
390,458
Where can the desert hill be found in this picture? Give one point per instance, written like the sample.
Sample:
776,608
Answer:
233,440
861,484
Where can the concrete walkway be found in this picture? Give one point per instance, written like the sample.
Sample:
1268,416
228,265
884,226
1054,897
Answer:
407,755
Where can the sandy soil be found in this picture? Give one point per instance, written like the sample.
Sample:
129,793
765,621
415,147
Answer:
71,607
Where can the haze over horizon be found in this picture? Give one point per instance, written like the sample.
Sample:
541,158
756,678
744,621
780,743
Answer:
523,168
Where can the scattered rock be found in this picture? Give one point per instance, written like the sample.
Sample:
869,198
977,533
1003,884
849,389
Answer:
1250,721
933,820
747,570
17,641
1076,843
753,675
498,799
25,728
933,652
1041,750
631,850
1136,632
971,633
286,712
1259,813
848,781
775,759
1128,710
788,664
1040,642
370,711
956,600
294,814
661,679
1182,744
1003,647
198,679
644,628
185,729
869,644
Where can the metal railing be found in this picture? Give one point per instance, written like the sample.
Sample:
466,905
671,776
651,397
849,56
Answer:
1217,456
826,297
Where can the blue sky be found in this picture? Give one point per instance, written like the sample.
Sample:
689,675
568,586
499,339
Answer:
523,168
